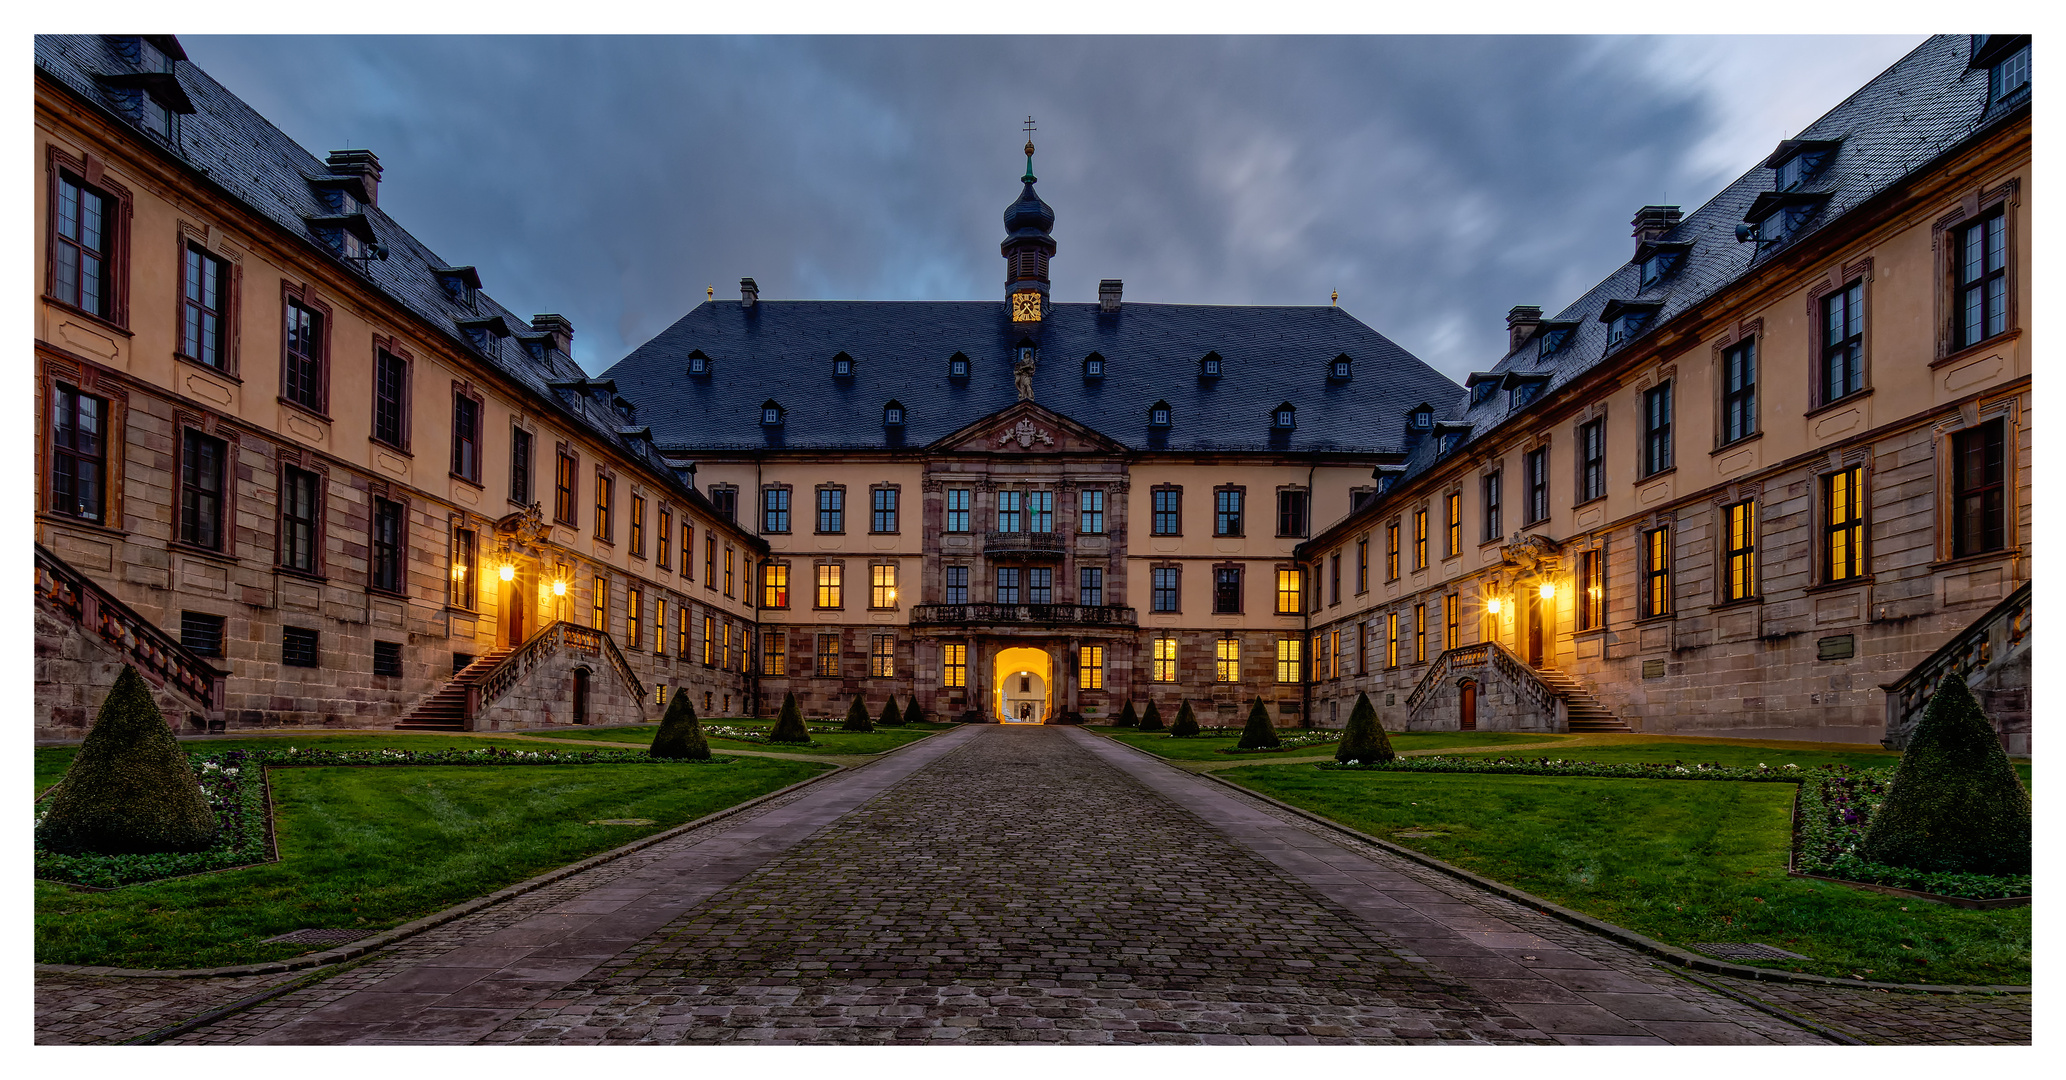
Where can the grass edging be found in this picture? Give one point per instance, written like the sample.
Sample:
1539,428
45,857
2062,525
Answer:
1670,953
435,919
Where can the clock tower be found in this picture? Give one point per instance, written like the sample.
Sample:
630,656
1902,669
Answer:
1028,244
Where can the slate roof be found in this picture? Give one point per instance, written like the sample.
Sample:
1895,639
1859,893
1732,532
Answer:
783,350
256,164
1924,105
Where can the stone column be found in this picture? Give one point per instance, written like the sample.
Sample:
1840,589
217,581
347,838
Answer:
1075,677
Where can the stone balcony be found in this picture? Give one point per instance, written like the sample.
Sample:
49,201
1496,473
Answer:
1033,545
1048,615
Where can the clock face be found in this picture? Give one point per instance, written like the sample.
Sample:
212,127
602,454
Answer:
1025,307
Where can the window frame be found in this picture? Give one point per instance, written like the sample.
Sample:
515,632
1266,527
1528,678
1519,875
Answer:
1090,667
878,582
953,523
663,530
1655,601
605,505
230,277
1166,589
1535,469
1590,605
288,653
774,585
1290,661
1852,346
1392,550
523,457
1452,627
775,505
187,527
829,586
1996,210
1226,659
89,174
1737,369
1172,515
882,656
954,584
1294,512
2001,486
829,501
1228,592
466,456
1090,511
1851,527
953,665
637,519
884,499
1229,505
1291,583
1657,429
1420,538
1738,578
1592,460
463,568
317,404
283,528
1090,586
1011,511
1391,640
634,617
774,653
1490,496
1363,564
1162,668
1453,504
106,499
566,486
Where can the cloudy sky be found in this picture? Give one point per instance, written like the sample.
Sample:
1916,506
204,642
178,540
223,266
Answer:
1434,181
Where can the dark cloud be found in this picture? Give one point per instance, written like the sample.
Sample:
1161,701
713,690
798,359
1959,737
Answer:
1434,181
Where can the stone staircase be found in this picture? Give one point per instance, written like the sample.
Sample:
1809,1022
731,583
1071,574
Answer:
1582,710
446,709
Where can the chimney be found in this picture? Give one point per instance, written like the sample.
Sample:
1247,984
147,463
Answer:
561,330
1108,294
1652,222
359,163
1521,321
749,293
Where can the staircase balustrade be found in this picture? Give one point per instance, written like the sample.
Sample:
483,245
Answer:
157,655
543,646
1992,636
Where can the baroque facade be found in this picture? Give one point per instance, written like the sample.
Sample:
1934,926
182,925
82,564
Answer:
1030,509
1755,477
300,470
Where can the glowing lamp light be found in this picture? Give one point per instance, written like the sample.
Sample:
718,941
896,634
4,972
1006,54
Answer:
1492,605
559,588
508,572
1547,590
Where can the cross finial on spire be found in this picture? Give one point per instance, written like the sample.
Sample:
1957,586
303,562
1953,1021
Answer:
1028,178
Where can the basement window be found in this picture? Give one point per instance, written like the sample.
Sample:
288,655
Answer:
387,658
201,633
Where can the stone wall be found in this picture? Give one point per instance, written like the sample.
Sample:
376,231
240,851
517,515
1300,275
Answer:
544,696
74,672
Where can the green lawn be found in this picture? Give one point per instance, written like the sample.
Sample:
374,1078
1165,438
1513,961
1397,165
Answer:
832,742
1208,747
378,847
1681,861
1707,751
52,761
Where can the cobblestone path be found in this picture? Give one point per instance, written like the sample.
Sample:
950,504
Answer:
1015,885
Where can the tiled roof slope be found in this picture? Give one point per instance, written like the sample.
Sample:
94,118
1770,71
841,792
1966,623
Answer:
259,166
783,350
1911,114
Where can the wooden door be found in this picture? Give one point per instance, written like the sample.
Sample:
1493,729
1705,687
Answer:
513,603
1468,692
581,695
1535,634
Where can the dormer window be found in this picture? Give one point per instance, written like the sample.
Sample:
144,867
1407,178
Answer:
150,95
1625,326
1284,417
957,366
1158,414
536,347
893,415
1449,442
625,410
842,366
1482,384
1523,393
2009,75
699,364
461,283
770,413
1338,370
1209,367
1093,366
1423,418
1658,266
1795,171
1552,340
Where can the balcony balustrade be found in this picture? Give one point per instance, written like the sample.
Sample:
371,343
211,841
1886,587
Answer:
1037,545
1021,615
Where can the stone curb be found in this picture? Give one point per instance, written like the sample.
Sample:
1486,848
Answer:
1669,953
436,919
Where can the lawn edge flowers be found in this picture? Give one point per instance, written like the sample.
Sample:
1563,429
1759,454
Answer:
234,784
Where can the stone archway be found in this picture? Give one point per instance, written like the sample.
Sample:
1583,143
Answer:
1022,681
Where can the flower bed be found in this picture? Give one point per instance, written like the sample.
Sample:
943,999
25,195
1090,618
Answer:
234,784
1835,811
752,735
1836,808
1287,742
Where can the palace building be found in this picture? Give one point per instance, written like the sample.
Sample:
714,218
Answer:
1769,478
1031,508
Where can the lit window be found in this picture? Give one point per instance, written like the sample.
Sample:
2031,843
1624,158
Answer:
829,595
1226,661
774,653
774,591
828,656
1289,666
1843,513
882,656
1290,591
1163,663
1091,667
954,665
1657,572
1740,528
882,585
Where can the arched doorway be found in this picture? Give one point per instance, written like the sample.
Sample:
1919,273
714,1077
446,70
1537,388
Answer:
1467,705
581,695
1023,681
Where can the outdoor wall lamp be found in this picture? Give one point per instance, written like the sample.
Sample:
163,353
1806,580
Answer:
559,588
1547,590
1492,605
508,572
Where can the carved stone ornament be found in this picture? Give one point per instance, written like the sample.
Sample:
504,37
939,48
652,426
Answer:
1533,551
526,526
1026,435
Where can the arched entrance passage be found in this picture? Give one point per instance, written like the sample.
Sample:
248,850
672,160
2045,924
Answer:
1023,682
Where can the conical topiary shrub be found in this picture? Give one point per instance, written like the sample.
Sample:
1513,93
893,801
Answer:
1364,739
130,790
1186,724
1260,734
1955,804
681,733
1152,719
912,713
890,716
789,723
857,716
1127,717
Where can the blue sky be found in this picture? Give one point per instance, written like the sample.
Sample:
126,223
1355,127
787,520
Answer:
1434,181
